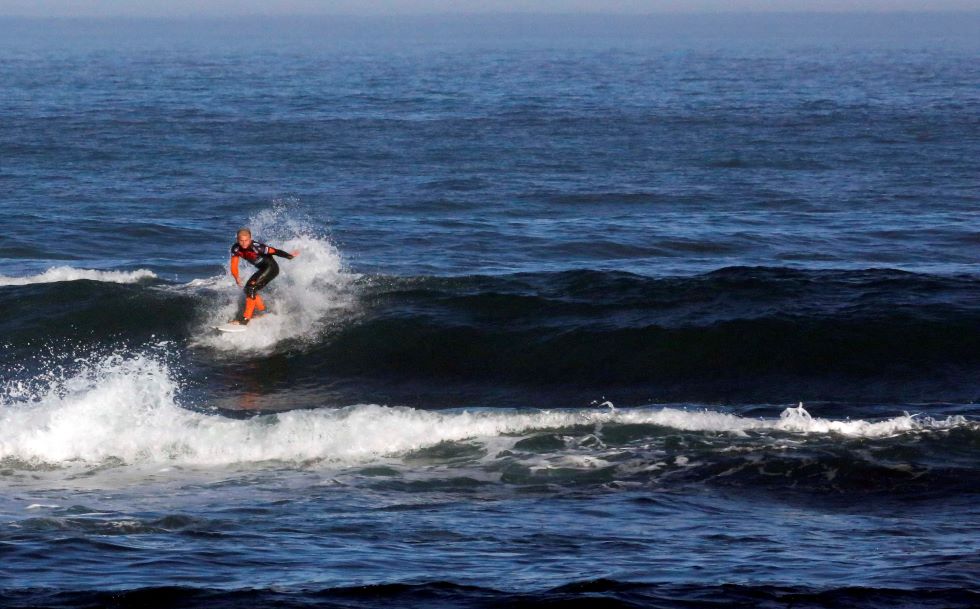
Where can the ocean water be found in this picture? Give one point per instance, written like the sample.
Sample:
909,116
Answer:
672,312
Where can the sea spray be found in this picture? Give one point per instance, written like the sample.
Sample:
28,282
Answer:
310,293
113,406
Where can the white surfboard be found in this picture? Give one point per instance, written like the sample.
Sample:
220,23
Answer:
230,327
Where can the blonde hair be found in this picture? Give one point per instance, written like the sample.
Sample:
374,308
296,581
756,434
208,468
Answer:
243,231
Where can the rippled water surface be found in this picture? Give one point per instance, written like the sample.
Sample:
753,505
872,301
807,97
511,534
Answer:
660,315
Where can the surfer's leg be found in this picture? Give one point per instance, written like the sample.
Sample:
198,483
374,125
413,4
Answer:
256,282
249,309
252,305
251,293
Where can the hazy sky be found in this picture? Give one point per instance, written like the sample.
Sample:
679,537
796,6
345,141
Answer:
163,8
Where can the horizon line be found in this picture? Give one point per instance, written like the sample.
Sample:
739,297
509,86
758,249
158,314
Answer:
478,14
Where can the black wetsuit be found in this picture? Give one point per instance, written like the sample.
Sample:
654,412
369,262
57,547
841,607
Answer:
260,255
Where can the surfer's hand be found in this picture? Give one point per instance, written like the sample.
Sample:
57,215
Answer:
238,281
294,253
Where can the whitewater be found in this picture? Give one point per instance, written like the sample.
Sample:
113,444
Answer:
67,273
126,408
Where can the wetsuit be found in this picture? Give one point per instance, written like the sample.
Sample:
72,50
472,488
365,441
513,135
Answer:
260,255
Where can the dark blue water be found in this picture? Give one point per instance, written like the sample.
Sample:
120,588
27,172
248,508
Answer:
672,313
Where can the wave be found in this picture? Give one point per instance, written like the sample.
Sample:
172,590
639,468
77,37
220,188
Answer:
66,273
739,334
126,410
744,335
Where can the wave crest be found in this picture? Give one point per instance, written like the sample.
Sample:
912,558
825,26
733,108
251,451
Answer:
66,273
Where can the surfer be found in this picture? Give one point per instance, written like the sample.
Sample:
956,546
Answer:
260,255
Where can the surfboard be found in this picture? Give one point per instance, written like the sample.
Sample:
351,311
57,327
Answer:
229,327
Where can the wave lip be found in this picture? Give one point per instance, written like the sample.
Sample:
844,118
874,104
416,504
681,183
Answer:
58,274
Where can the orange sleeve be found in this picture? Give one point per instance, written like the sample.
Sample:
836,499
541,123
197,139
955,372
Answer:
234,267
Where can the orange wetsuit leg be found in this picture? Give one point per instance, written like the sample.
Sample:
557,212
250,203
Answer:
249,308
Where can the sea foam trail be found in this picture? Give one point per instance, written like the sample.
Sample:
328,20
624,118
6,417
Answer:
300,300
67,273
126,408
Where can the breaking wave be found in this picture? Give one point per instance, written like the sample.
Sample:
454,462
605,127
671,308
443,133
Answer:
127,409
66,273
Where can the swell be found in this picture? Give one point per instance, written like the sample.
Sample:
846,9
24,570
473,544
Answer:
894,357
738,334
87,310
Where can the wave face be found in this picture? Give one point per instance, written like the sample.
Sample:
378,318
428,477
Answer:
737,335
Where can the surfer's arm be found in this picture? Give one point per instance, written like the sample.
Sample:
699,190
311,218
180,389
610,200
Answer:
234,269
281,253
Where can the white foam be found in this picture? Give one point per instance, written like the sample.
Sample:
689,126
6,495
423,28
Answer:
108,409
799,420
126,408
67,273
302,300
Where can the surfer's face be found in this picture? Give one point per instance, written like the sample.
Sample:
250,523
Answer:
244,240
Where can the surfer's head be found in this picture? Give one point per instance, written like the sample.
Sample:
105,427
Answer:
244,237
